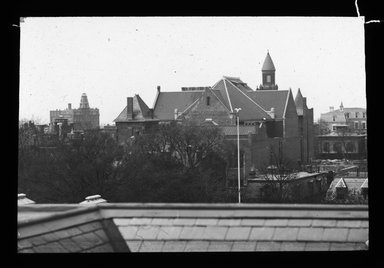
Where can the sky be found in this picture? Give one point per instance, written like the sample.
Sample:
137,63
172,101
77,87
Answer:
112,58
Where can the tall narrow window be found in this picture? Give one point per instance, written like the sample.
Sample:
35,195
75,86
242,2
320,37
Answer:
268,79
334,118
357,114
208,100
364,114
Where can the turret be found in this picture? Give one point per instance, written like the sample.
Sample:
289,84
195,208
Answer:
268,74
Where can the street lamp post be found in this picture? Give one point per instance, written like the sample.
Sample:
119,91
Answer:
238,154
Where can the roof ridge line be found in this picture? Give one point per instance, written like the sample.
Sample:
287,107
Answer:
229,99
189,106
249,98
286,103
219,99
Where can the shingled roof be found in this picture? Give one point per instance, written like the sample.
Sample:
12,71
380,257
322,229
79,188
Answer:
271,99
167,102
140,111
236,97
191,227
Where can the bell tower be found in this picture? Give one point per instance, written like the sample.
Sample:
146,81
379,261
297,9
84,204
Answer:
268,74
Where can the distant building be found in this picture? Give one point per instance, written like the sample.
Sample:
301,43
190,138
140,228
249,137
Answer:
354,120
342,134
83,118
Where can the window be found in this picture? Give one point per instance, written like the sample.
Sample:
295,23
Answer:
326,147
356,125
334,128
350,147
364,115
347,115
357,114
208,100
268,79
334,118
337,147
363,126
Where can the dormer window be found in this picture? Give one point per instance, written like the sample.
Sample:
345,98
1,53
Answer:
208,101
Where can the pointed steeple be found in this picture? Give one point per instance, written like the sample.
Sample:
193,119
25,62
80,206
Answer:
299,98
268,74
84,102
341,106
268,64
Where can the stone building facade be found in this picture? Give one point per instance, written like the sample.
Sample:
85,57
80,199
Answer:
83,118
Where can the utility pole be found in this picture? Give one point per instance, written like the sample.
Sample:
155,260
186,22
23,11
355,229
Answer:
238,154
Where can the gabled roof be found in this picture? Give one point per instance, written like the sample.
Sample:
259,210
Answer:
365,184
341,184
268,64
299,101
271,98
353,184
238,98
167,102
140,111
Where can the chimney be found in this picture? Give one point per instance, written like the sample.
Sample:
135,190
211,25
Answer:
23,200
331,108
130,108
151,113
93,199
176,113
69,106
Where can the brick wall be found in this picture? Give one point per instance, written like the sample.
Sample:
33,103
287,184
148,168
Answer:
215,110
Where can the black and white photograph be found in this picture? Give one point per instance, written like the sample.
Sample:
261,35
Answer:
192,134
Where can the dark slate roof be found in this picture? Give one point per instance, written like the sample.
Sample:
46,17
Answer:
220,91
66,229
271,98
140,111
268,64
167,102
239,83
194,227
237,98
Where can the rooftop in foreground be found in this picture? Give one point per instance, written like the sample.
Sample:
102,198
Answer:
138,227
